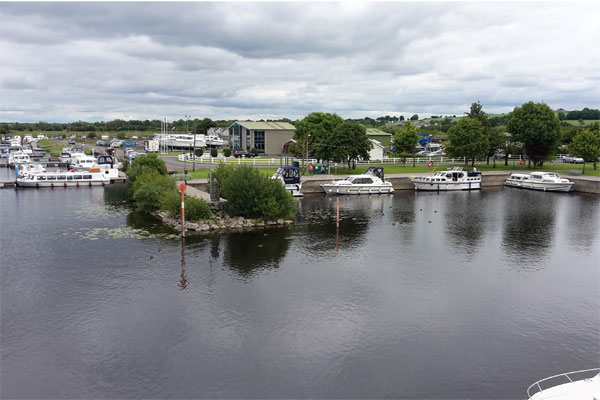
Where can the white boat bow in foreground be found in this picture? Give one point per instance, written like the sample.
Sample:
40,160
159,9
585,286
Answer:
571,388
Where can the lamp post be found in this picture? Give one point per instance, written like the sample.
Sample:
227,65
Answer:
187,130
306,154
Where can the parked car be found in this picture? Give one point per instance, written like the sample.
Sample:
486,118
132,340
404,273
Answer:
572,160
71,142
243,154
100,143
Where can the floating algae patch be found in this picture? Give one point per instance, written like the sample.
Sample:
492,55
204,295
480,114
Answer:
98,210
120,232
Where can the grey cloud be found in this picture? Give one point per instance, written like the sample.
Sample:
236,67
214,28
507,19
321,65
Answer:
287,59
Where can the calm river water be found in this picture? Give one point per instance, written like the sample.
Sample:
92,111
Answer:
449,295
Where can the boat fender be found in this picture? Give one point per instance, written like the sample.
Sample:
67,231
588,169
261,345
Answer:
37,185
65,184
52,185
90,184
77,184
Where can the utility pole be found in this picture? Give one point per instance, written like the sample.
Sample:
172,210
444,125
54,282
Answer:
187,130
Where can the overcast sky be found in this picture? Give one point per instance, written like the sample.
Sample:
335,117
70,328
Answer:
101,61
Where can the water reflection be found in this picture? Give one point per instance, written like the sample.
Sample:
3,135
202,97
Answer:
255,250
318,220
403,215
582,221
465,214
183,282
529,229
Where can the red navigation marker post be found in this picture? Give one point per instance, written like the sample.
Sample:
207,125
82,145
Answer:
182,188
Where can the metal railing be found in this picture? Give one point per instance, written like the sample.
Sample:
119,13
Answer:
566,374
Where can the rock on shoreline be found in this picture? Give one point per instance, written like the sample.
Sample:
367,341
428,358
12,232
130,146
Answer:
217,223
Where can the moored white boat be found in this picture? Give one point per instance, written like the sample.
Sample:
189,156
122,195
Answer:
567,386
456,178
29,168
93,177
290,178
67,153
371,182
545,181
82,161
18,157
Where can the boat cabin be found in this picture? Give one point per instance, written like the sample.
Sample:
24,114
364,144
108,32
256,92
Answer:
290,175
377,171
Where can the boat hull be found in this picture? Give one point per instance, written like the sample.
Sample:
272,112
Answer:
294,189
357,189
29,183
446,186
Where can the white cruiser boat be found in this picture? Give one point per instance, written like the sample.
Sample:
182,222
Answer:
456,178
181,142
29,168
18,157
67,153
82,161
545,181
213,140
93,177
290,178
371,182
567,387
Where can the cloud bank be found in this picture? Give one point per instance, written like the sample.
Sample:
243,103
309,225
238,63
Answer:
100,61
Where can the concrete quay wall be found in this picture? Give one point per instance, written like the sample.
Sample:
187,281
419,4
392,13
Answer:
402,182
494,179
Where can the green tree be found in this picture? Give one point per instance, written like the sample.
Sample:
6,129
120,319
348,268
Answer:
202,126
149,189
586,144
537,127
214,152
144,164
226,151
349,142
405,141
415,117
315,129
251,194
467,139
446,124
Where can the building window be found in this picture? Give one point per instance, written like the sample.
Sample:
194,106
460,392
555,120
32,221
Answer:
237,137
259,141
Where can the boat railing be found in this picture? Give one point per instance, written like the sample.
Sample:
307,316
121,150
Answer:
565,374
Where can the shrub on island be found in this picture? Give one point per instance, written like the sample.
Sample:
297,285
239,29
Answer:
251,194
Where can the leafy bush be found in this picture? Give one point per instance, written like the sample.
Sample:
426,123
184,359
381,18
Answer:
254,151
222,173
144,164
92,135
214,152
149,189
226,151
199,152
251,194
88,151
195,209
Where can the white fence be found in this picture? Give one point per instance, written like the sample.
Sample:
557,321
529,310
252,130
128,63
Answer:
276,161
